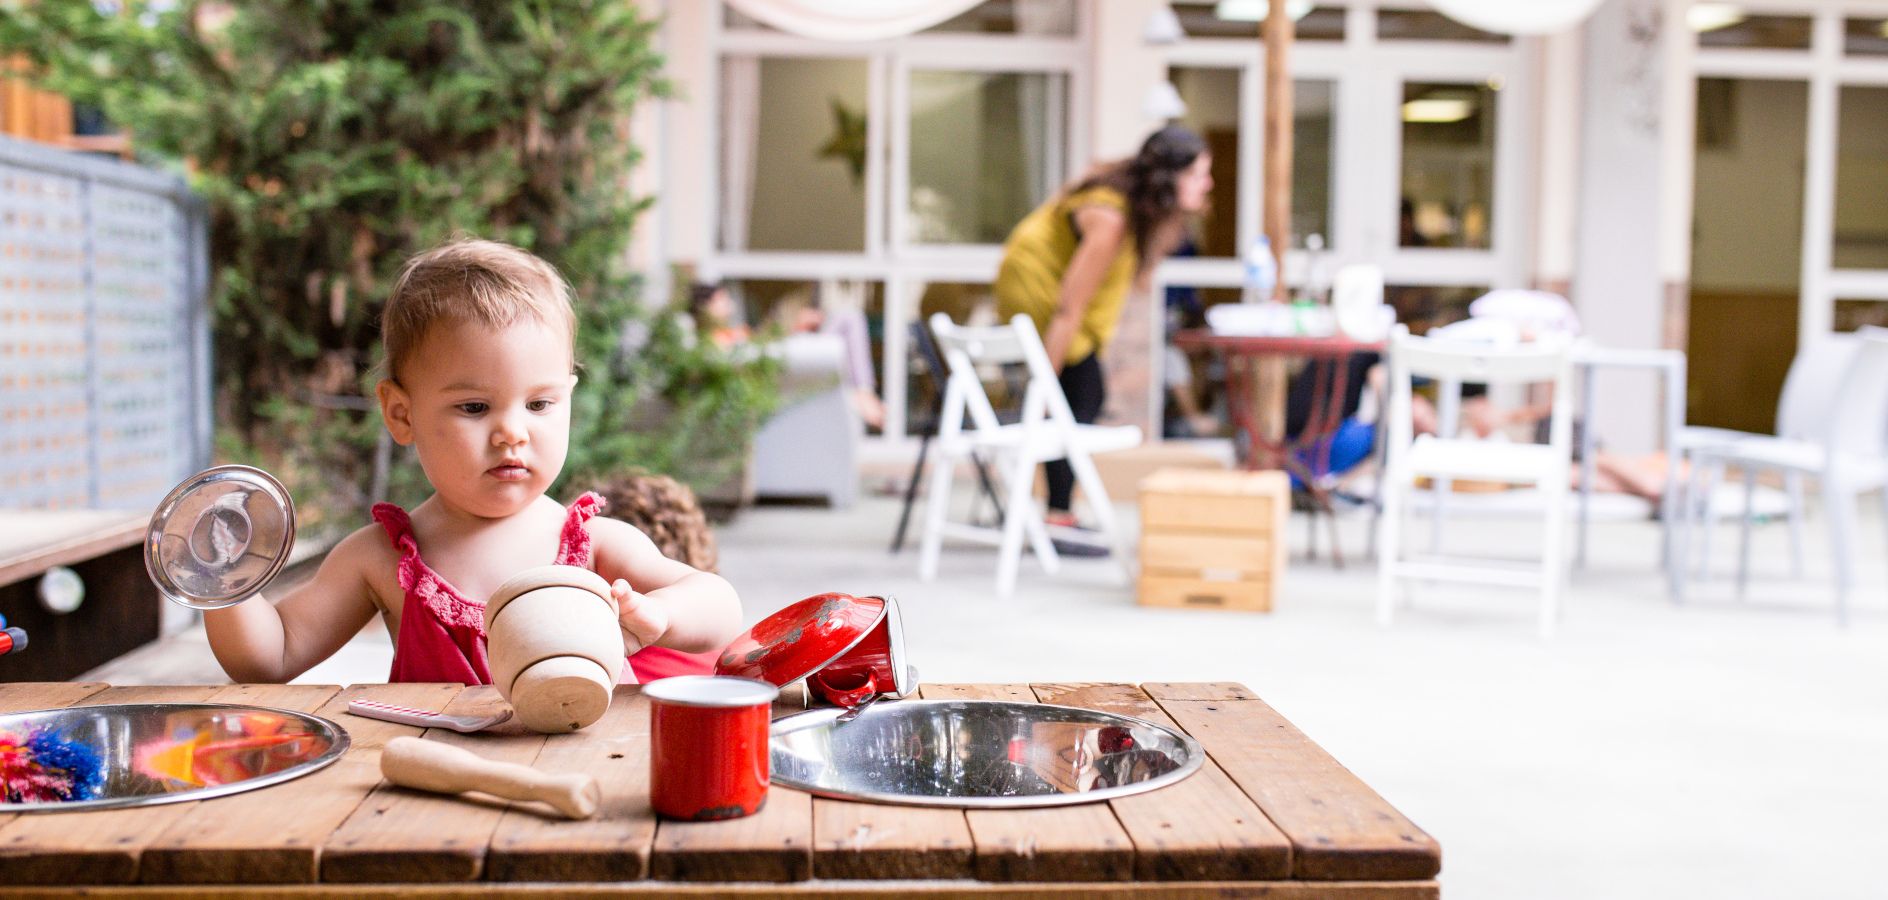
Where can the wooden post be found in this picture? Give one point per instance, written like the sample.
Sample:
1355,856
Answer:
1270,381
1278,30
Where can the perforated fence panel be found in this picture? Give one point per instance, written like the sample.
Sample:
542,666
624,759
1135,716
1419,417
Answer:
104,332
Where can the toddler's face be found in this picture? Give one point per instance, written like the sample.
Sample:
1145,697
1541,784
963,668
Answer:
488,409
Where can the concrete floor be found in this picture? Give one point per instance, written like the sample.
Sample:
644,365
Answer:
1720,749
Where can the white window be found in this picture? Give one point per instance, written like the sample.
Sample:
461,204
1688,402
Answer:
1410,150
900,163
1838,53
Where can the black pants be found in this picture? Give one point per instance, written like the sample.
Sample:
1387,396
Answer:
1087,390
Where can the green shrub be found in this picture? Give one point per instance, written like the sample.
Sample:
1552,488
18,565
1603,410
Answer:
332,139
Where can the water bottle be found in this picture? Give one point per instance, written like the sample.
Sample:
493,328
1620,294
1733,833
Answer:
1261,271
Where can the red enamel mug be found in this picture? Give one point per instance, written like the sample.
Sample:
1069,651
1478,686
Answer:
708,746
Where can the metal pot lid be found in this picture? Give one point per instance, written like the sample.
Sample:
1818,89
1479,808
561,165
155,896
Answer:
801,639
220,536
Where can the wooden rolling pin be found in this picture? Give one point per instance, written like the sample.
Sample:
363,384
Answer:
442,768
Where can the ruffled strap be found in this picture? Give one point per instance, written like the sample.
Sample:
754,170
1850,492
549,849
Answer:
419,580
573,547
400,531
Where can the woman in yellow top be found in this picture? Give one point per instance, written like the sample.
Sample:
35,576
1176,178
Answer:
1069,264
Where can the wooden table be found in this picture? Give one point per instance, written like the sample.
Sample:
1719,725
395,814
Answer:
1271,814
1256,401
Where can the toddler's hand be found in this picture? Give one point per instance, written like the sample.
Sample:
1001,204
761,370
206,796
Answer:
644,623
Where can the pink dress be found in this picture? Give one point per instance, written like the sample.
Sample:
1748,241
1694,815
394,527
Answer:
442,634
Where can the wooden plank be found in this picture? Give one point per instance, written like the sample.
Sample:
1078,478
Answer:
246,839
1155,588
1190,551
1068,843
1270,890
32,541
32,695
773,845
1340,829
399,835
613,846
1201,829
104,846
1198,690
871,840
1233,503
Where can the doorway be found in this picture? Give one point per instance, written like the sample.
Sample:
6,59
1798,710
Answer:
1746,248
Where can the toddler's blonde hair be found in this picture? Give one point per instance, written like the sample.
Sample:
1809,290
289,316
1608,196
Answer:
469,280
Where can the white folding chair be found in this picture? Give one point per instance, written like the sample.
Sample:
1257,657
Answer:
1046,431
1407,458
1844,453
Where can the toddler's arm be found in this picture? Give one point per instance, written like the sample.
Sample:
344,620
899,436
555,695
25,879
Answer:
674,604
259,641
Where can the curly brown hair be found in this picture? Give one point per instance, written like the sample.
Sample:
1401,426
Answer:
1147,180
666,511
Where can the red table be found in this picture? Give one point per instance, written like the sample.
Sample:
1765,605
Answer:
1244,356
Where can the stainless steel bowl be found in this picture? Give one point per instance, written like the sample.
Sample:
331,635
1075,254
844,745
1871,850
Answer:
978,754
150,753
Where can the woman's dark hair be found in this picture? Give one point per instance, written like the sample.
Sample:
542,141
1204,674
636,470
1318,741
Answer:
699,293
1147,181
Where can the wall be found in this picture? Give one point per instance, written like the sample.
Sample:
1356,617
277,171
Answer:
684,206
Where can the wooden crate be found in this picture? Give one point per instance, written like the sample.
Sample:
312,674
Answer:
1213,539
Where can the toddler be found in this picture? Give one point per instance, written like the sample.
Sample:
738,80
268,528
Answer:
479,340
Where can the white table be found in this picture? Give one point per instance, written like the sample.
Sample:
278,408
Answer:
1671,363
1589,359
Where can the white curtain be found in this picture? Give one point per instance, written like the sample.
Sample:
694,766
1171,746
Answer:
740,144
852,20
1042,100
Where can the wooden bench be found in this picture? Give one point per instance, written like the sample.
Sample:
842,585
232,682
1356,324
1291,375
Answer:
122,610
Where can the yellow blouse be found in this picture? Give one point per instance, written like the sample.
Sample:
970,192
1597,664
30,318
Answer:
1037,254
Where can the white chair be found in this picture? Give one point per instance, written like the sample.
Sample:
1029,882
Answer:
1844,453
1544,466
1803,412
809,447
1047,430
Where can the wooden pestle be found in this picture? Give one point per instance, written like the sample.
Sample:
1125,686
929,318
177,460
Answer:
442,768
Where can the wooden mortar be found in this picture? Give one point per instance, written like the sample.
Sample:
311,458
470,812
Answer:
555,647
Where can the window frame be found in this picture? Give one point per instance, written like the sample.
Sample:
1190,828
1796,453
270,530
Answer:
902,267
1827,68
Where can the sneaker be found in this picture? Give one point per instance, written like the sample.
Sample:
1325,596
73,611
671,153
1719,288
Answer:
1070,539
1064,547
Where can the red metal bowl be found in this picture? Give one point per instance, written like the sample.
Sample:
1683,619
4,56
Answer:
801,639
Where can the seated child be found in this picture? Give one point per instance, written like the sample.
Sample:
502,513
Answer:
713,310
480,343
667,511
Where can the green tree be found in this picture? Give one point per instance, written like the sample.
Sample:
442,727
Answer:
332,139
